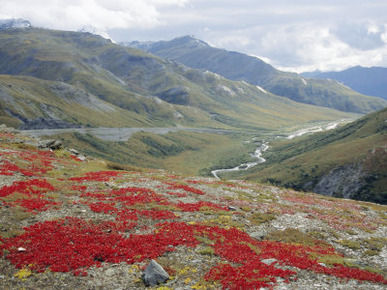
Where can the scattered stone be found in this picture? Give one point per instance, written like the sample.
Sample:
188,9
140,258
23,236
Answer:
81,157
75,152
52,144
257,235
154,274
322,264
269,261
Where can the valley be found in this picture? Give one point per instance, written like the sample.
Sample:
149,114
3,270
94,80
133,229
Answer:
274,137
162,106
211,166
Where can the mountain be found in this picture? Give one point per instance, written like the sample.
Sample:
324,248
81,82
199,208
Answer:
72,222
347,162
237,66
53,79
369,81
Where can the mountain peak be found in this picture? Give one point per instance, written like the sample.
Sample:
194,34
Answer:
14,23
189,39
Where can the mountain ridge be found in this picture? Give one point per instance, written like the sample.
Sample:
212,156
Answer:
138,88
238,66
370,81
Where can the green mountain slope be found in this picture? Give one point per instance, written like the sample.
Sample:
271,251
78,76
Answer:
237,66
57,78
346,162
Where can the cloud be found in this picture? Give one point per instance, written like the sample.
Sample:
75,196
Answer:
363,36
295,35
100,14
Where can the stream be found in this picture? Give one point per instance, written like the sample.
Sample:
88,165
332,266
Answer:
244,166
264,146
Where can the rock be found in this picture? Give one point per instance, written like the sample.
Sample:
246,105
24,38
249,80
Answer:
258,235
52,144
81,157
21,249
322,264
154,274
232,208
75,152
269,261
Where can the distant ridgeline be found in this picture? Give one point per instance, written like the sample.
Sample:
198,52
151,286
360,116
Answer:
237,66
53,79
369,81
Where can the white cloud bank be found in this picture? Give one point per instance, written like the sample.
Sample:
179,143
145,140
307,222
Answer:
300,35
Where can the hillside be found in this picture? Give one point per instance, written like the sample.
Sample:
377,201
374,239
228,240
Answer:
72,222
369,81
237,66
346,162
51,79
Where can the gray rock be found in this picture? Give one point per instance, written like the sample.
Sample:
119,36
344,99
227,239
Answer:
75,152
154,274
52,144
232,208
258,235
269,261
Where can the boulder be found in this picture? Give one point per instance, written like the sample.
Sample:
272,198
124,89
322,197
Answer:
154,274
52,144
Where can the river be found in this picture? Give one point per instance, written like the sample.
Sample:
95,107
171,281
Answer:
264,146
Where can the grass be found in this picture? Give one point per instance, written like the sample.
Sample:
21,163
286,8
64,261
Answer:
184,152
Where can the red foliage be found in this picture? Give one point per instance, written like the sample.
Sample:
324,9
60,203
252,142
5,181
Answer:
29,187
73,244
178,194
36,204
157,214
101,207
187,188
96,176
76,158
197,206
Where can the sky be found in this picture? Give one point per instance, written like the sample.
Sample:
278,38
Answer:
291,35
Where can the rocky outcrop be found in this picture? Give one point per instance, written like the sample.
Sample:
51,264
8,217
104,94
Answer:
344,181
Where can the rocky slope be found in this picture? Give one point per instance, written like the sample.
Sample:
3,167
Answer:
238,66
72,222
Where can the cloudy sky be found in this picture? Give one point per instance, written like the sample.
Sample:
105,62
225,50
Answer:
293,35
